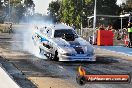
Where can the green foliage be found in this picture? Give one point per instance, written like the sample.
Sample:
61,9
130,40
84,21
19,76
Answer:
18,12
16,9
69,11
73,11
76,11
29,3
108,7
54,7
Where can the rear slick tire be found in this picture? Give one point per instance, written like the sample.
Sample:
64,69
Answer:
56,58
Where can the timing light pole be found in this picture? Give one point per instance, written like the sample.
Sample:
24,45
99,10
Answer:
94,21
9,9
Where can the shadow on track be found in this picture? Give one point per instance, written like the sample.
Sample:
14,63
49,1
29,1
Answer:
99,60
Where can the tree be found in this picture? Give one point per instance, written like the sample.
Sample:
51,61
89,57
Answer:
19,12
14,10
29,5
18,9
76,11
127,7
53,9
1,12
108,7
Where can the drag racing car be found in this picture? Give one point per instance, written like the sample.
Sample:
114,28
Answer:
61,43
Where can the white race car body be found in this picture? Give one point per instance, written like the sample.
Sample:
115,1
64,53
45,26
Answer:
69,47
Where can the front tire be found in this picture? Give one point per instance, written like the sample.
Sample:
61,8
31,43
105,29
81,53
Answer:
56,58
40,50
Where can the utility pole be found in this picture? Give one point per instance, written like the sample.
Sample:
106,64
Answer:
81,16
81,32
94,22
9,2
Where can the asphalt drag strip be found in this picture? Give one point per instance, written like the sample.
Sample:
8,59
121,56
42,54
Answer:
30,71
44,73
16,74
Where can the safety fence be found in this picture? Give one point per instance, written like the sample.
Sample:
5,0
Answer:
119,35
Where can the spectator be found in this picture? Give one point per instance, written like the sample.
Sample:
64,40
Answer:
101,27
109,27
10,28
129,29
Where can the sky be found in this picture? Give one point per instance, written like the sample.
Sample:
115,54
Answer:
119,2
41,6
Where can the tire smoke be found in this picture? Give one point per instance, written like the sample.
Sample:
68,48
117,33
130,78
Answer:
24,35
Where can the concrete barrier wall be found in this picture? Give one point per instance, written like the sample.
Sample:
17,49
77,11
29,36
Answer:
6,81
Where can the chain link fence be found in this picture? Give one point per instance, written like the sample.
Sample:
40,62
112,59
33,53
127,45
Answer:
119,35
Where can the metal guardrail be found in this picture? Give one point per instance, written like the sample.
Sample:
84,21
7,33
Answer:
8,82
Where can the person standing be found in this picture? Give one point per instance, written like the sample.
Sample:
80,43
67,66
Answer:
109,27
129,29
10,29
101,27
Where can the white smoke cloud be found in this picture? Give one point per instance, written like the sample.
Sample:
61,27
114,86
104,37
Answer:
23,36
120,2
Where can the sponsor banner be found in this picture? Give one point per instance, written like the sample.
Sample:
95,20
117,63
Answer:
82,78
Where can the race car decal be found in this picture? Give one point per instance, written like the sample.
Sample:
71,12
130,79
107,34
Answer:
45,42
76,45
43,39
